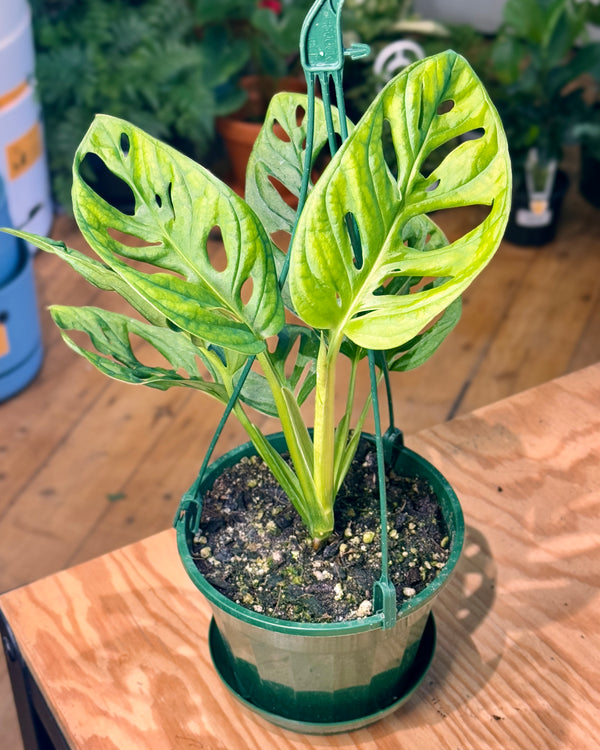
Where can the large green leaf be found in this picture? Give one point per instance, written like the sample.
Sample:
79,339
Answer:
334,285
177,204
114,356
278,155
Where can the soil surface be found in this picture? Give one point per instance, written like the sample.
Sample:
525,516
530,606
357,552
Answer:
253,547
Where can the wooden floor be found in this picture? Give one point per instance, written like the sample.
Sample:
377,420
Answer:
534,314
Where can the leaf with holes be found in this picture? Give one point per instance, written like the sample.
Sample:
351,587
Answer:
335,284
177,204
114,356
276,164
98,274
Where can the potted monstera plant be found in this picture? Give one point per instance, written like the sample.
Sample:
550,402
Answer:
320,549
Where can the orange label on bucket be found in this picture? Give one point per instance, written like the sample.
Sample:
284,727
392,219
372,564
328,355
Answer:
24,152
10,96
4,345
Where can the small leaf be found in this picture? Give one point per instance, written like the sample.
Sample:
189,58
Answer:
98,274
419,349
110,334
278,155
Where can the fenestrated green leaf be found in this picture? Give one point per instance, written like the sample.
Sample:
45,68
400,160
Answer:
177,204
419,233
110,334
278,157
330,289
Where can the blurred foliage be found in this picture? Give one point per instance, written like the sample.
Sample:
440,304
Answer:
539,70
378,23
143,60
269,30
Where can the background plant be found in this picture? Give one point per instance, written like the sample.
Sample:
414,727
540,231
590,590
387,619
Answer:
377,23
269,31
536,70
369,270
157,62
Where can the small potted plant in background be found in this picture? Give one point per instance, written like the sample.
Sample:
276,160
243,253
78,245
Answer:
587,133
367,275
270,30
536,76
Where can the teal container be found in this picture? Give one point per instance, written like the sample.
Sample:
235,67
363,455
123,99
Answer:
21,351
322,678
9,246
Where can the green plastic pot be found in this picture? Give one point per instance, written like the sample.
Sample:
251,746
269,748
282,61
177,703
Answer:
321,678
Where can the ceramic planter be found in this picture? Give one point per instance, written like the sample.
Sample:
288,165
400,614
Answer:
526,227
20,334
322,678
590,169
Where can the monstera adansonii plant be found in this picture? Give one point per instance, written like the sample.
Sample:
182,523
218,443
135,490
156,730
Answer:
369,269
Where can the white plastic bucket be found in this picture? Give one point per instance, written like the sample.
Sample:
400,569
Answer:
17,57
23,165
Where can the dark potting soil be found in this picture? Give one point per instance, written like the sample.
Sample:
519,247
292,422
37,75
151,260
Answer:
253,547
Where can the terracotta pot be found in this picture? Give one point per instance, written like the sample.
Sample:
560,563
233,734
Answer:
238,137
240,130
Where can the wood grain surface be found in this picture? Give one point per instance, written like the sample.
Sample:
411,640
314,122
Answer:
119,643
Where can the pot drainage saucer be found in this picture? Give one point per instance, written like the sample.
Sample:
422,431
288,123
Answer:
410,683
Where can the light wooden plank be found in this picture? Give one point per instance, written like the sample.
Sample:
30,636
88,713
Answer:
545,324
534,549
122,638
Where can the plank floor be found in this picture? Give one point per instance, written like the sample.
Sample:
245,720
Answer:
69,441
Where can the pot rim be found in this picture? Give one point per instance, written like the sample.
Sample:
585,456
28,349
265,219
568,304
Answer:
186,517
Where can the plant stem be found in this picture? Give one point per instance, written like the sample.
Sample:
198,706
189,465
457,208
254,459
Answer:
280,469
342,430
300,447
324,427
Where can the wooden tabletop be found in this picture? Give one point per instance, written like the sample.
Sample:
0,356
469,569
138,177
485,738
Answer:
118,645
